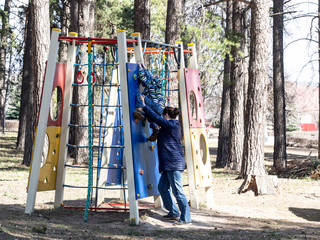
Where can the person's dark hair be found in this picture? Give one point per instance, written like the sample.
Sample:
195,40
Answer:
172,112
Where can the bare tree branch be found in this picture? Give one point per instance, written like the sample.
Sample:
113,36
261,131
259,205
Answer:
221,1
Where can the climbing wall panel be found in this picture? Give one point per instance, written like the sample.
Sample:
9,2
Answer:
194,98
145,154
200,150
50,155
201,158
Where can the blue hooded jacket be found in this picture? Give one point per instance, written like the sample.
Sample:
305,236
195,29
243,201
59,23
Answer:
169,142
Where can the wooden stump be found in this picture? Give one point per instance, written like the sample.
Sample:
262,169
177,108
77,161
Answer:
260,185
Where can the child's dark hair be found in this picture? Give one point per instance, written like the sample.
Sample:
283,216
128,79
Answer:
172,112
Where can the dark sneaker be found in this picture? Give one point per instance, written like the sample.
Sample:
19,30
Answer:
140,115
154,135
171,217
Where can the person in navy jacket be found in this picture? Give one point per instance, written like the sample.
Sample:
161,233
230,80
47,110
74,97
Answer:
171,160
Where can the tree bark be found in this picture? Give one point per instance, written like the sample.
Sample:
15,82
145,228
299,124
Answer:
239,74
319,79
3,54
26,81
65,23
280,149
253,152
142,18
223,139
40,27
174,13
83,23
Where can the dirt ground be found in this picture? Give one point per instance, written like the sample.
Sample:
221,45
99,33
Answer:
294,213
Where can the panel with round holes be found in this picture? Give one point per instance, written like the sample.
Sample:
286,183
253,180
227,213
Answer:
49,163
194,98
201,158
50,152
56,106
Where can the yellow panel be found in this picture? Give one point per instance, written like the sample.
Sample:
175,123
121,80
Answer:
48,172
201,158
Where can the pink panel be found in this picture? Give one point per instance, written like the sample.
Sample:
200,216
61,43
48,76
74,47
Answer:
59,79
193,85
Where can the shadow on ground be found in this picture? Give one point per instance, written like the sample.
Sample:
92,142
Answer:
307,213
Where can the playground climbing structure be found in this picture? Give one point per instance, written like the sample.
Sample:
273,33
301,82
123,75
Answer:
119,155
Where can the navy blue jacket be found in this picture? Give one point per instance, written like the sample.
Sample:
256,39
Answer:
169,142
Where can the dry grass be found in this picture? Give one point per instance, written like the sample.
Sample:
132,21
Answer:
293,214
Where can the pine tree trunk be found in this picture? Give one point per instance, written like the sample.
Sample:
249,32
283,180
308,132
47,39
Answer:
319,82
65,23
174,13
3,54
142,18
26,81
280,151
239,74
40,47
253,152
223,142
79,135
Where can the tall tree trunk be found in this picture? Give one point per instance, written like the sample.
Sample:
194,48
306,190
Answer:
82,23
239,74
280,148
3,54
223,142
319,78
26,97
253,152
142,18
174,14
65,23
40,47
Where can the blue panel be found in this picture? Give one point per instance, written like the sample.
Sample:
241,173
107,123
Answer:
116,159
145,154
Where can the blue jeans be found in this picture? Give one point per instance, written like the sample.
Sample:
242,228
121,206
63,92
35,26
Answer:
173,179
154,106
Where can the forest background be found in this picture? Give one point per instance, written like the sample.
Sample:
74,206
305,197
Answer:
240,46
242,91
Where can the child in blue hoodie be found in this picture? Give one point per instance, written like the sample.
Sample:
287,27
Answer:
154,93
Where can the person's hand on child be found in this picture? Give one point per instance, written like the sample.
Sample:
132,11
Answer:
142,98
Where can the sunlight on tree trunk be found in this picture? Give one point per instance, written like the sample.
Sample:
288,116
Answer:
142,18
82,21
174,13
253,152
40,27
239,74
223,142
280,148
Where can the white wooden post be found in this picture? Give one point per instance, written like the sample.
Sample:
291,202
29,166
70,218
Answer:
66,115
186,131
122,53
42,122
193,58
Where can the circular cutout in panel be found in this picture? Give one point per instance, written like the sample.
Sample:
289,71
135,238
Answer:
193,106
203,149
45,151
56,103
